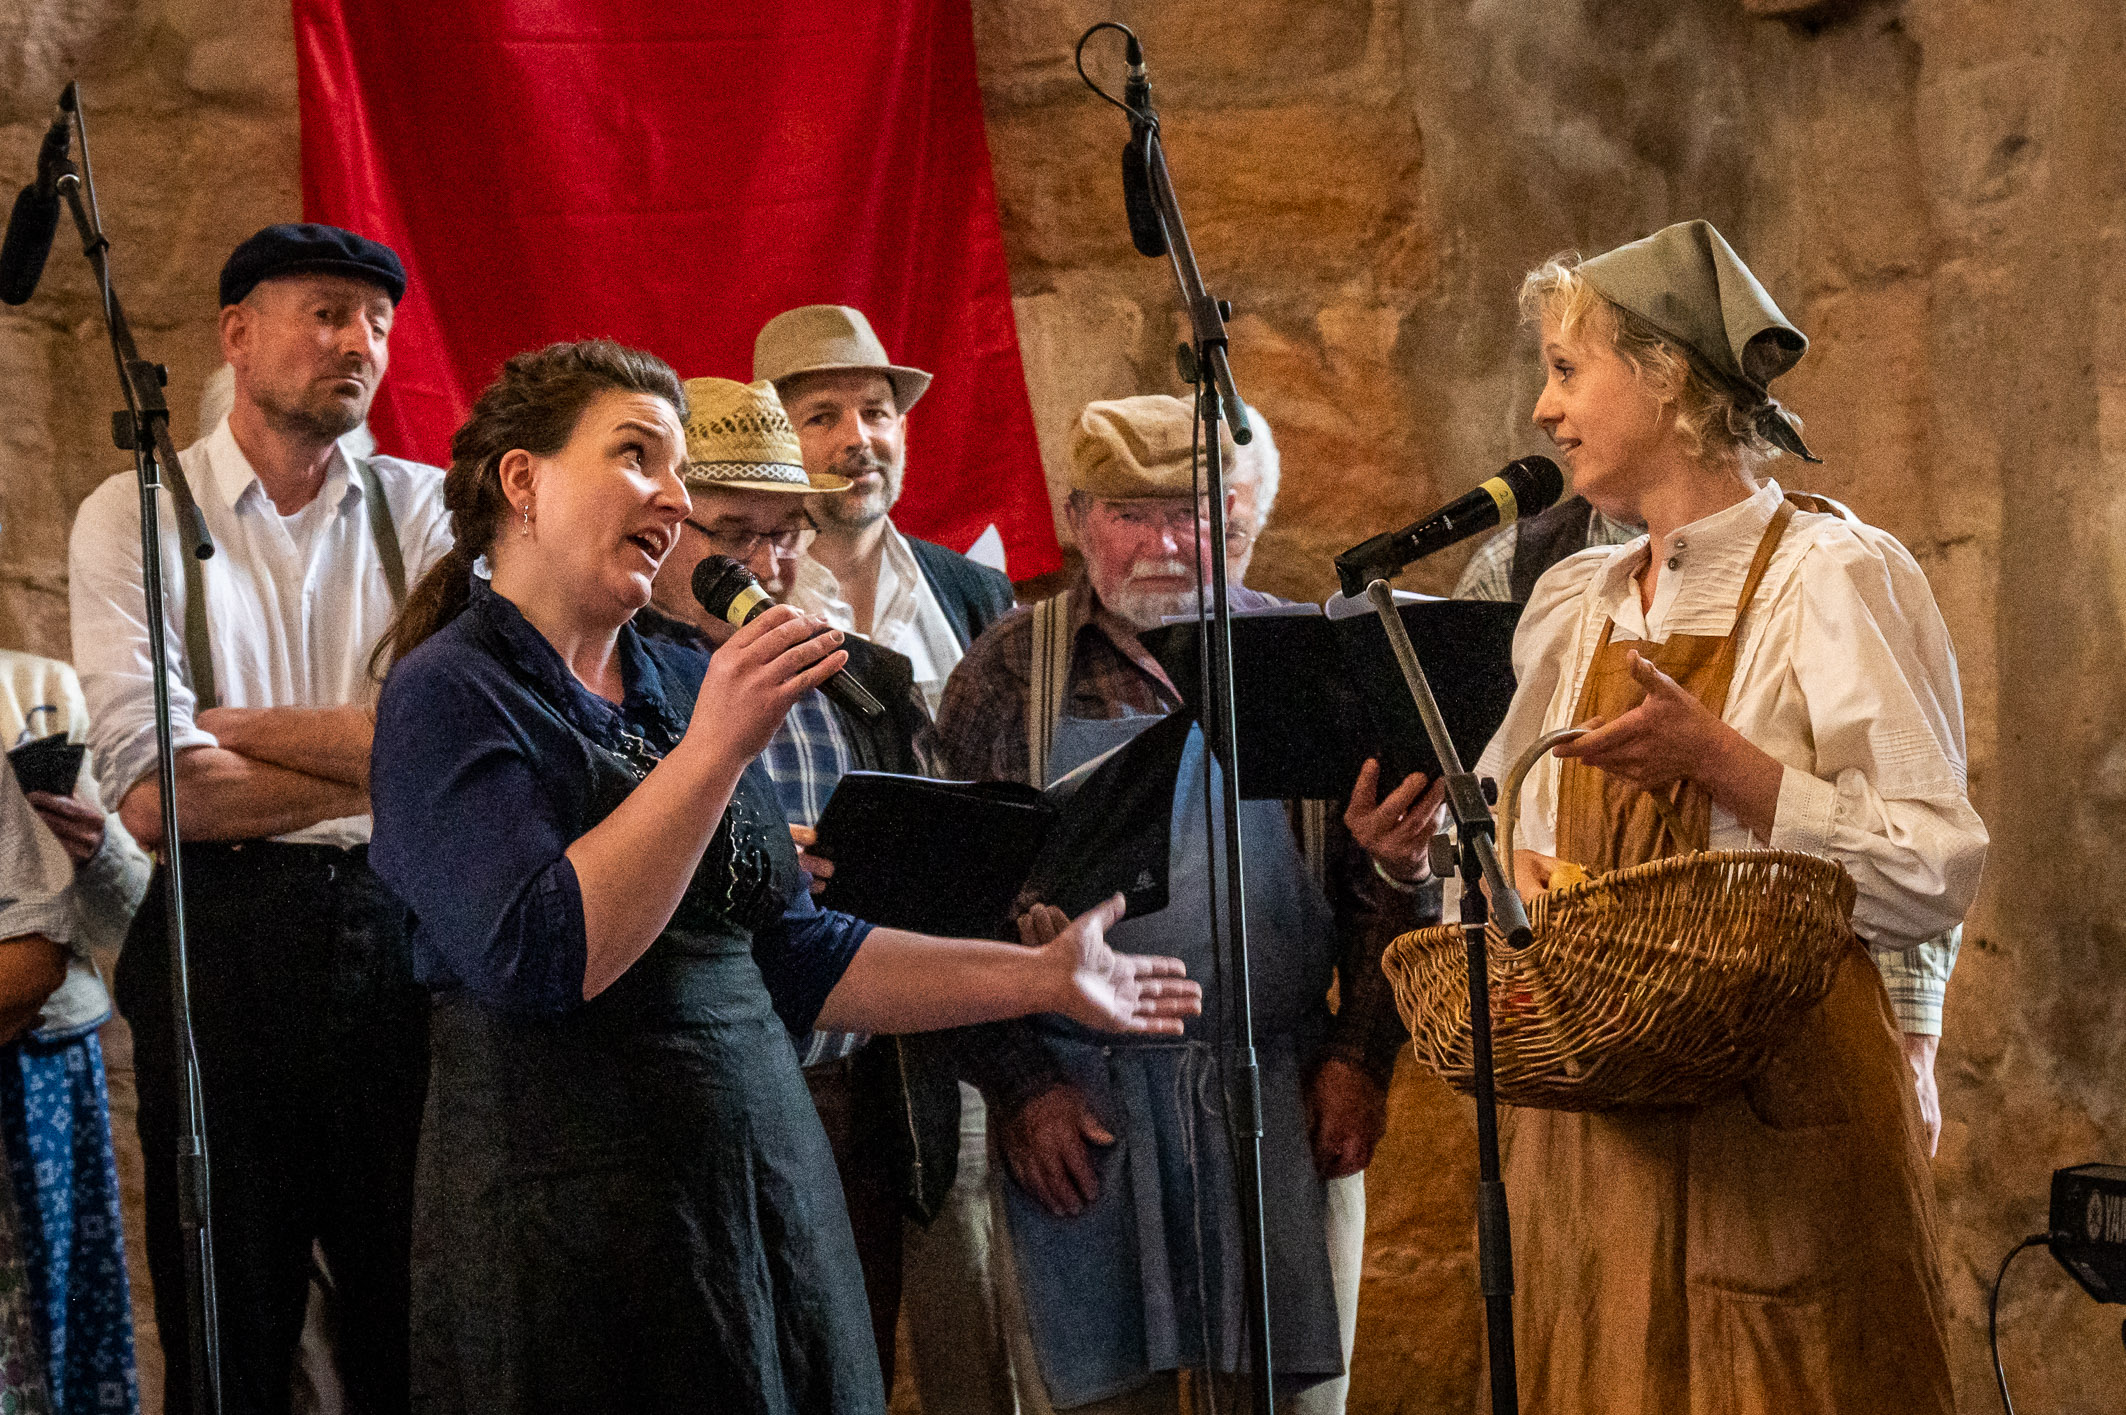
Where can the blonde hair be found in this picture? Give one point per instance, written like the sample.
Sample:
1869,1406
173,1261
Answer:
1717,425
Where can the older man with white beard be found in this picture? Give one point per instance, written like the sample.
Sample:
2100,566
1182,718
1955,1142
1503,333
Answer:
1105,1298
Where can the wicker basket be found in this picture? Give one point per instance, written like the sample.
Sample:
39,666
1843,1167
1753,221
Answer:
1664,984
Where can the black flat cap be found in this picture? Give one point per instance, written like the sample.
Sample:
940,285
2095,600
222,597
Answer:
301,248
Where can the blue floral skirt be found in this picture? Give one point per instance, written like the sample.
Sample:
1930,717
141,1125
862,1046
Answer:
55,1122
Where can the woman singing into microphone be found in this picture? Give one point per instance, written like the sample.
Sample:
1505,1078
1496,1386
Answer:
625,1202
1777,672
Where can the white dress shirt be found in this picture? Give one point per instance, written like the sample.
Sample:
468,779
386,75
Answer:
295,604
1845,674
906,617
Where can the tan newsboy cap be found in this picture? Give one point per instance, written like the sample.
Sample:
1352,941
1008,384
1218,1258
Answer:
1128,449
830,339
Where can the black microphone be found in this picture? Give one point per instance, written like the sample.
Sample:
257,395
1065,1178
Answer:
1146,231
35,220
1525,487
727,589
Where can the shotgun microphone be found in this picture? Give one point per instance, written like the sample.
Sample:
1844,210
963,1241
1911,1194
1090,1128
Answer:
1522,489
1146,231
35,220
727,589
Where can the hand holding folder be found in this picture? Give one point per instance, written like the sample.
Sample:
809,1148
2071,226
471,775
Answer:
963,859
1316,689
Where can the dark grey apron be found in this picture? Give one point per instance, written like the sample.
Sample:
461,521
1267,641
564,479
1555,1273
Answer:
633,1209
1149,1278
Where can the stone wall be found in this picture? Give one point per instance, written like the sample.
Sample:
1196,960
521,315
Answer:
1935,190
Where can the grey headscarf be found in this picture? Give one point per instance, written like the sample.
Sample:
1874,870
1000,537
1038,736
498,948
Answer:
1688,283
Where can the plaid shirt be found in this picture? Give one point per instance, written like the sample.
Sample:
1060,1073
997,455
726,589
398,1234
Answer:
982,730
808,754
1917,979
1489,573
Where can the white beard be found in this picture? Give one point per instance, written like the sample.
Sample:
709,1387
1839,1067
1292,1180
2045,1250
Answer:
1146,608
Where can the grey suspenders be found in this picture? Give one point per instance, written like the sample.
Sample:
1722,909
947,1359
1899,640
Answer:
1047,693
1049,684
199,652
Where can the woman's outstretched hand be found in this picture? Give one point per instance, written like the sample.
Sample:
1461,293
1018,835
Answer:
1114,992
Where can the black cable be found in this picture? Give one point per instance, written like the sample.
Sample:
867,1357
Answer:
1993,1313
1140,116
1212,809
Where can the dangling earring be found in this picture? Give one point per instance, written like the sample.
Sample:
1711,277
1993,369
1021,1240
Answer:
525,530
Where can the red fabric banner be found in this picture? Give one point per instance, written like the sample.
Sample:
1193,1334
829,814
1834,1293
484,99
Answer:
672,176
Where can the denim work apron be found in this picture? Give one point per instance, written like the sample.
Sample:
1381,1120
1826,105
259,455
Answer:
1119,1293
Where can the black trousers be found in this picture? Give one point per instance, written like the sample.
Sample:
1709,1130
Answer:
313,1051
860,1107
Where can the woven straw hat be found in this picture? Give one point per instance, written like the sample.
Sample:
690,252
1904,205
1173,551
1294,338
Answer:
739,438
830,339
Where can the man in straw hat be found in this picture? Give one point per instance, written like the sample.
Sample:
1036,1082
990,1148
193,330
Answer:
890,1105
1105,1297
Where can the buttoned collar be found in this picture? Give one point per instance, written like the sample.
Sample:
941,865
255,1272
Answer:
1706,540
232,478
1731,534
816,589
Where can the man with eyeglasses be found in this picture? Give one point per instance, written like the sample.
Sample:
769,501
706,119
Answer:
1118,1214
890,1105
850,404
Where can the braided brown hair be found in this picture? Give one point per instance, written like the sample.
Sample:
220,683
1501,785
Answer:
533,404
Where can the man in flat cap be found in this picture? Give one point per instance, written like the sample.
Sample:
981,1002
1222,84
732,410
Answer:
1126,1257
849,403
311,1032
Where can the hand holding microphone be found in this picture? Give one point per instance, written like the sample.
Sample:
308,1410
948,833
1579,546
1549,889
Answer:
727,589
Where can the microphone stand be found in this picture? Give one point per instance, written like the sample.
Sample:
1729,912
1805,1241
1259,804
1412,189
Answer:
1475,834
1204,364
143,428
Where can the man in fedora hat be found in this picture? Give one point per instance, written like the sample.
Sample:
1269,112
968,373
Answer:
849,403
889,1105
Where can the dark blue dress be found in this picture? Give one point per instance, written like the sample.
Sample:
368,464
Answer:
626,1204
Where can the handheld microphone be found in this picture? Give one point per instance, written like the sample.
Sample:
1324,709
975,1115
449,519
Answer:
1146,231
1522,489
727,589
35,220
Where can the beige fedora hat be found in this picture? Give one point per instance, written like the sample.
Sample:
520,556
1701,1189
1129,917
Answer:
830,339
739,439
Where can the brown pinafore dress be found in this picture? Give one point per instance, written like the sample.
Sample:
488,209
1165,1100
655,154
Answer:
1771,1252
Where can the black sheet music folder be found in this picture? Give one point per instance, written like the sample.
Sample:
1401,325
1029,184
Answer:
955,857
1316,693
48,764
